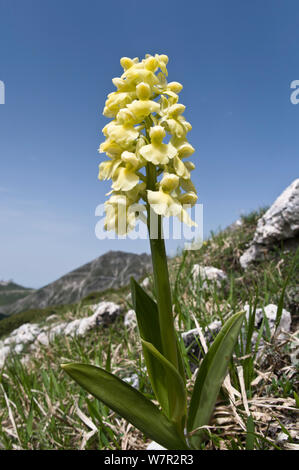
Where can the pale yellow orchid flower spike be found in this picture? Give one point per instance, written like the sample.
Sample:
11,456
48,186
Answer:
146,112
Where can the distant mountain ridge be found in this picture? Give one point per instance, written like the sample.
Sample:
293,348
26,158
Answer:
11,292
111,270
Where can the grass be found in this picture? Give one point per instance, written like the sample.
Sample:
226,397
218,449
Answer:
41,408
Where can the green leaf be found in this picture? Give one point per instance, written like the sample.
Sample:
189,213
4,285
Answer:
128,403
148,323
147,315
250,433
210,377
281,299
149,329
175,382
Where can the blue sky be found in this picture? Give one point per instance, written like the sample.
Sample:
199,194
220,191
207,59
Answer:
236,60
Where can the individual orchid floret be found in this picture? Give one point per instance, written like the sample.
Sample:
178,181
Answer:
116,101
162,61
122,209
121,130
111,148
107,169
161,201
125,178
119,218
157,152
183,147
143,106
174,122
165,201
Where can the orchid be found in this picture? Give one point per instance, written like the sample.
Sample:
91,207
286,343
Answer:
145,109
146,145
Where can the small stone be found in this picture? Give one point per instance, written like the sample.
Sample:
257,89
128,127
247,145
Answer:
130,319
270,311
155,446
133,380
146,282
208,275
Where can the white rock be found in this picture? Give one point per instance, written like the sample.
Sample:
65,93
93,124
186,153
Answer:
25,334
155,446
209,331
86,324
33,335
107,312
208,274
133,380
270,312
280,222
4,352
19,348
72,327
146,282
130,319
56,330
43,339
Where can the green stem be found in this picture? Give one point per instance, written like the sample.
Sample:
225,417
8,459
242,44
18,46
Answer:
161,280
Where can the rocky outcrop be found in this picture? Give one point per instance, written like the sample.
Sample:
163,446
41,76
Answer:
32,335
111,270
280,222
191,338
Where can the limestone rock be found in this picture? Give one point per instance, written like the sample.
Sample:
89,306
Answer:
155,446
208,275
130,319
270,312
191,337
34,335
280,222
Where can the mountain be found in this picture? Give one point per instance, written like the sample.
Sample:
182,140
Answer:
111,270
10,293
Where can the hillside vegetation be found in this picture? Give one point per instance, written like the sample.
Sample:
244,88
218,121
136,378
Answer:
10,292
111,270
42,408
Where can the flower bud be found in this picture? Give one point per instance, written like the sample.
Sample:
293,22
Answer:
126,63
164,58
188,198
124,116
175,87
143,91
169,182
175,110
118,82
186,150
130,158
151,64
157,134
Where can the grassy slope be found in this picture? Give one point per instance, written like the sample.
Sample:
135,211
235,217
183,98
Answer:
39,403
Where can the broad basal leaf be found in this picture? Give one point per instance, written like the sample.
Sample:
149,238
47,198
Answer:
127,402
149,329
174,383
210,377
